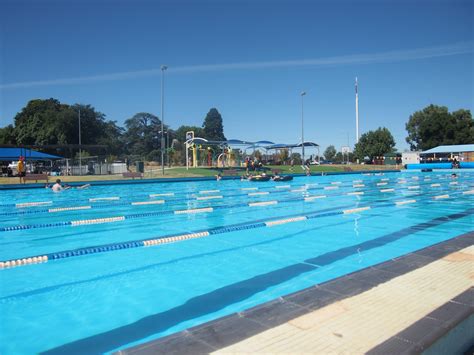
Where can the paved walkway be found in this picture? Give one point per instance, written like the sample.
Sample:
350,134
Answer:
359,323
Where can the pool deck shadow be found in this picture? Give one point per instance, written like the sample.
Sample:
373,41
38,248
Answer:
239,332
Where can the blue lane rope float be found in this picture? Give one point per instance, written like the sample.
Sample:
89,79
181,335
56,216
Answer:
159,213
271,222
156,202
101,200
32,204
138,215
306,187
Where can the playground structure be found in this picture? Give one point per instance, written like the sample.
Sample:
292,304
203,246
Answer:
210,153
230,153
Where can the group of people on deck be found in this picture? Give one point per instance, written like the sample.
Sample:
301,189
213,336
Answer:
252,164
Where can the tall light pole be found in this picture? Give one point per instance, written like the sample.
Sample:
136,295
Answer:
357,111
303,93
163,68
80,142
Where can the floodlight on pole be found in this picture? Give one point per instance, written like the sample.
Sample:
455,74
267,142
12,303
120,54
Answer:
357,110
303,93
163,68
80,142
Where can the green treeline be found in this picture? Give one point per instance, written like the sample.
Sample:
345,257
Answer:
54,127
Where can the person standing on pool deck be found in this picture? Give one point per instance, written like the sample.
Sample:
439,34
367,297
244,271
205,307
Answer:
21,169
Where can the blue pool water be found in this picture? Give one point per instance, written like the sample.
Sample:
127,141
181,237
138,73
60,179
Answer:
102,290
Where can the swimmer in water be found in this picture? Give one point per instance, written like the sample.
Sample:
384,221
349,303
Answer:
57,187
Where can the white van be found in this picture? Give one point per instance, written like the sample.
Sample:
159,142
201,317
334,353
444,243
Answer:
14,167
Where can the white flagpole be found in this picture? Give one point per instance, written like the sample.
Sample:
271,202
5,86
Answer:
357,111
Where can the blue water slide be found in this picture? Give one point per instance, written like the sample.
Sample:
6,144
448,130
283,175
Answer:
466,165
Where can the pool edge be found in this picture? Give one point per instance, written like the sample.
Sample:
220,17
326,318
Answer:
225,331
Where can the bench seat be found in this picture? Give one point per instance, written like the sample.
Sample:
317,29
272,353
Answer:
132,175
36,177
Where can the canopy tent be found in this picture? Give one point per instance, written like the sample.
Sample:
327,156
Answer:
308,144
228,143
290,146
264,144
267,145
237,142
9,154
447,149
280,146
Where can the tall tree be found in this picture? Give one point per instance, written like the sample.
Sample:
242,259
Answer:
464,133
435,125
180,133
213,127
49,122
7,135
93,124
42,122
143,135
112,138
339,158
330,153
374,143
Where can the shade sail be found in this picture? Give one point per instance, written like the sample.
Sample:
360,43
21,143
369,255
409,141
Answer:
8,154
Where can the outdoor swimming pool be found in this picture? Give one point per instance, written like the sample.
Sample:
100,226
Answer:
131,263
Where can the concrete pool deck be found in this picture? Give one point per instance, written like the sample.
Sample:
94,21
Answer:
404,305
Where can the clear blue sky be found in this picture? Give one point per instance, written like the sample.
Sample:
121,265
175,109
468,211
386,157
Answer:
249,59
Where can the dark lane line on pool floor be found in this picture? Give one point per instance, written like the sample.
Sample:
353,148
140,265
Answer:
223,297
217,334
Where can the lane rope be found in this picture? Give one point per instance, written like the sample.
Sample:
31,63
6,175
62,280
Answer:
198,234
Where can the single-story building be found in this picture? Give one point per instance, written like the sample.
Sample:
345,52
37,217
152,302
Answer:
449,153
446,157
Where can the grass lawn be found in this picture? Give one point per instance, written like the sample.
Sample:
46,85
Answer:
155,172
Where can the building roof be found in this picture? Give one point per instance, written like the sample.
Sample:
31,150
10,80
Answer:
8,154
460,148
